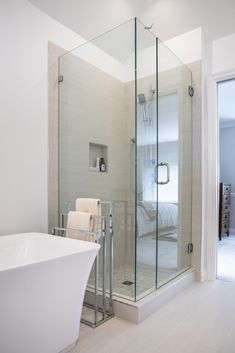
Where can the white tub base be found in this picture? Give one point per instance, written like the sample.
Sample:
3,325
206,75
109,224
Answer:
43,280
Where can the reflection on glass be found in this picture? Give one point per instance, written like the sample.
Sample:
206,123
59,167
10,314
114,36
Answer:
123,100
146,144
97,121
174,149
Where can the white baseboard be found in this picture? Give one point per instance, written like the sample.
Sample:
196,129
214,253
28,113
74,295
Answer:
203,276
136,312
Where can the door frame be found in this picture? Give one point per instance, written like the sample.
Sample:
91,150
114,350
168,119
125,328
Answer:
211,178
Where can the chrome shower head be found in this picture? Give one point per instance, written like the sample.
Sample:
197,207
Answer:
142,98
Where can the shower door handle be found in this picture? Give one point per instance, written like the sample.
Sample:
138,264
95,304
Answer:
162,164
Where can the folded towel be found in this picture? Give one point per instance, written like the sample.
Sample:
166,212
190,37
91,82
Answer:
89,205
92,206
84,222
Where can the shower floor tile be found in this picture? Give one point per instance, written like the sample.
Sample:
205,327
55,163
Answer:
146,269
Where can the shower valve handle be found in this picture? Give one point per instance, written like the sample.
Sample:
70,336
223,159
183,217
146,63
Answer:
162,164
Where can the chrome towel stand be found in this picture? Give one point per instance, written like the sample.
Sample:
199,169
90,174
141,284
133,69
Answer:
93,298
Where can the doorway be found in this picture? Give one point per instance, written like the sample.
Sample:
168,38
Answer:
226,236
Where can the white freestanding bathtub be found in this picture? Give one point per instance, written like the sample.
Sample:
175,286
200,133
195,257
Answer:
42,285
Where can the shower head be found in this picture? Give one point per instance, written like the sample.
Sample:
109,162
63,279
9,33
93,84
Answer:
142,101
141,98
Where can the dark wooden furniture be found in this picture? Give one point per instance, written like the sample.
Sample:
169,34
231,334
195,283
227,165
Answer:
224,209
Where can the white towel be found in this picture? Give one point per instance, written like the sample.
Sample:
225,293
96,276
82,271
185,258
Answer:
84,222
89,205
92,206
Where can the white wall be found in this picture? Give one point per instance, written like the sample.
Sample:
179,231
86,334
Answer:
223,55
188,46
222,66
24,35
203,176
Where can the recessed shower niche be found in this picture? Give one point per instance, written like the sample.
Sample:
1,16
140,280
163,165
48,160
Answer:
98,154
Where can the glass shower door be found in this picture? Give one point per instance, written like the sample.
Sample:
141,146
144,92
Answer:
124,98
174,170
97,120
163,163
146,153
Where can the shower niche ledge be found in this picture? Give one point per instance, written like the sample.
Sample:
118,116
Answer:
96,152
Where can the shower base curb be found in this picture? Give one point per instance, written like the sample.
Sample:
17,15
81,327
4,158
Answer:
136,312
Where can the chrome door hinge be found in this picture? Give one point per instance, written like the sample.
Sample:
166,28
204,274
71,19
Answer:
190,248
60,78
191,91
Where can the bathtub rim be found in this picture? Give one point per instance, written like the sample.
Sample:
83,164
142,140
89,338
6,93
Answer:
92,247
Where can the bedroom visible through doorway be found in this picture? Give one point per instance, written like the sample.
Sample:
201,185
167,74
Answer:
226,236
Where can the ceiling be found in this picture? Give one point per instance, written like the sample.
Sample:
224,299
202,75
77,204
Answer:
90,18
226,104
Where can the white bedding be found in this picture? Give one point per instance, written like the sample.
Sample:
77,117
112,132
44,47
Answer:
146,214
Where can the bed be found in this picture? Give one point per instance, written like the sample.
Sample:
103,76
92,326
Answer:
167,217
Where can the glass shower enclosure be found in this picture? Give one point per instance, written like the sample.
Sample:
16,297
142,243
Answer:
124,103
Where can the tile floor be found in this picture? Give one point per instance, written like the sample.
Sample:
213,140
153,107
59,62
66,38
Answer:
146,268
201,319
226,258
